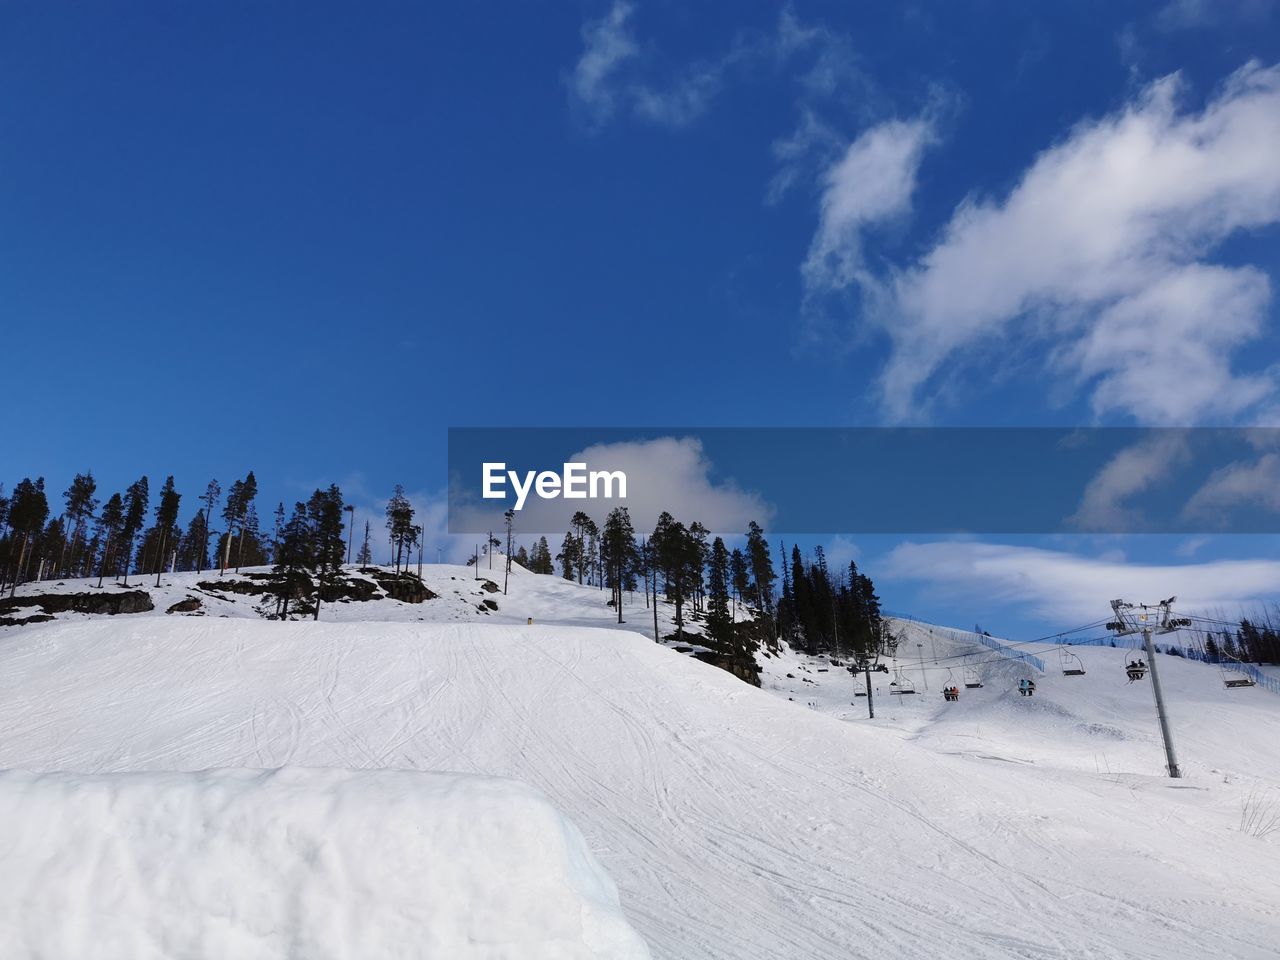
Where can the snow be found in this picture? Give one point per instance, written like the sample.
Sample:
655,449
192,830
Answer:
461,592
736,824
322,864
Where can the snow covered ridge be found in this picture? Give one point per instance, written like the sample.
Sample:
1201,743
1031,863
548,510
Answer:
312,863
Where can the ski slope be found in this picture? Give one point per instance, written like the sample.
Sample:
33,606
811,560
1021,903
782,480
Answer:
735,823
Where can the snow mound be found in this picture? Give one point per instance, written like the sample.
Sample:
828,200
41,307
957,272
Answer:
313,863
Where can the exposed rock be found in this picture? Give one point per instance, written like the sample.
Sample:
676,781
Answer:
744,668
131,601
188,605
488,586
247,587
406,587
23,621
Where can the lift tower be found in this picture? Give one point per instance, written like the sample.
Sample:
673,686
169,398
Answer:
1140,618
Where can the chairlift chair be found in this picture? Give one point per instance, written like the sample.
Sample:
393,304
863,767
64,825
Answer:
971,679
1071,664
901,683
1233,676
1135,670
950,692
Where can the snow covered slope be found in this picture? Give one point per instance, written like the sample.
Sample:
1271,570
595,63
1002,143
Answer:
736,824
321,864
460,594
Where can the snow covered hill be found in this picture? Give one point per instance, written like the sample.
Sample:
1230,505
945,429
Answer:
736,822
456,593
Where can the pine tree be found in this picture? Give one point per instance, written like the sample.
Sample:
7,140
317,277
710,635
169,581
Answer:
81,505
568,556
618,551
719,624
110,523
540,558
135,512
585,528
277,529
365,557
1211,652
166,518
241,516
53,547
400,524
291,574
739,575
697,561
193,547
324,515
509,520
788,622
28,508
761,567
212,493
675,553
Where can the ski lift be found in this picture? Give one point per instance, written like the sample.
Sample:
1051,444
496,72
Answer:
950,692
1071,664
971,679
1233,676
901,683
1135,670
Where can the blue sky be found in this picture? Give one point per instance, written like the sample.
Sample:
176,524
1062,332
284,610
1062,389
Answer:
305,239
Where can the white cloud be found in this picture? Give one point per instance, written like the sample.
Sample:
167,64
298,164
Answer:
611,76
1255,484
666,473
841,551
1074,589
1098,251
1191,546
871,183
1105,503
607,45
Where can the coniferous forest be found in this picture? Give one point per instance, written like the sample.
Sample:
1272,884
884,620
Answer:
738,599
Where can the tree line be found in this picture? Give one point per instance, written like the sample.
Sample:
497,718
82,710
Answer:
132,533
733,592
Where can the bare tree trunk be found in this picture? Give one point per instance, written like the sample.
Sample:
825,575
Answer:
17,571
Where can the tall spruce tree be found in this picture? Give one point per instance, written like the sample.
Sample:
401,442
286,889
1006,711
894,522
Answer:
28,508
568,555
399,524
166,518
324,514
618,550
761,567
212,494
110,522
81,505
135,512
719,623
291,573
365,557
